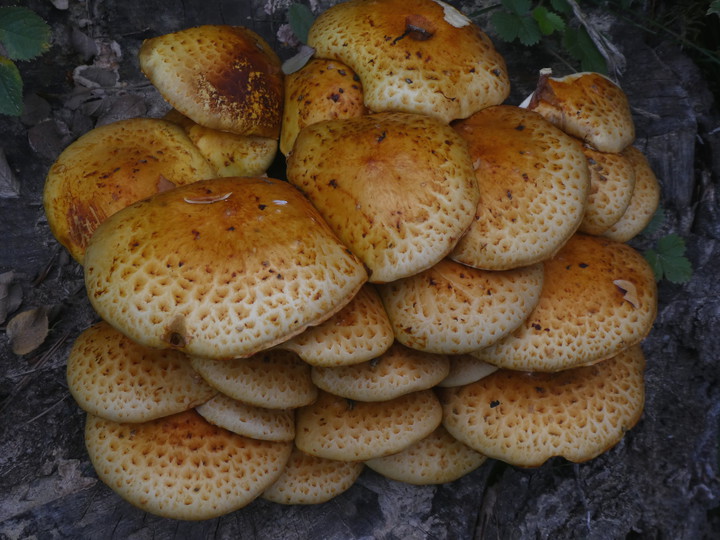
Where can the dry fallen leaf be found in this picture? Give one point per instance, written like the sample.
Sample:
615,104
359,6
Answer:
629,290
10,295
27,330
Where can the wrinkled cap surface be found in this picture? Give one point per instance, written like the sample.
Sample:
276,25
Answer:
222,77
588,106
182,467
272,379
526,418
420,56
357,333
111,167
599,298
249,420
321,90
312,480
337,428
398,371
534,183
643,203
452,308
113,377
436,459
219,269
398,189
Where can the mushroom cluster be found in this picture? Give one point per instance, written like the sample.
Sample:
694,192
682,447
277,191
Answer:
441,278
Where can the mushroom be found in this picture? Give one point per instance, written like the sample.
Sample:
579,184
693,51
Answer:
455,309
466,369
435,459
525,418
111,167
114,378
182,467
312,480
588,106
222,77
599,298
249,420
337,428
644,202
357,333
612,182
229,153
320,90
272,379
534,183
222,268
398,189
397,372
417,56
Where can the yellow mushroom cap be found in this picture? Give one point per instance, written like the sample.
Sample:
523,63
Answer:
357,333
643,203
525,418
612,182
249,420
222,77
219,269
111,167
599,298
312,480
534,183
398,189
114,378
451,308
466,369
588,106
398,371
272,379
419,56
345,430
182,467
320,90
435,459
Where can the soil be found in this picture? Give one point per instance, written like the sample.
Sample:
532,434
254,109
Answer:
660,481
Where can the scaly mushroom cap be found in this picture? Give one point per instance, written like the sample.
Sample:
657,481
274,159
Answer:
321,90
397,372
436,459
337,428
222,268
111,167
222,77
357,333
526,418
587,105
419,56
612,181
229,153
644,202
114,378
599,298
271,379
455,309
466,369
398,189
312,480
182,467
534,183
248,420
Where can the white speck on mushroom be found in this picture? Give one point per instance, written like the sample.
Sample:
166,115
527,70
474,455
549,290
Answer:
209,199
280,202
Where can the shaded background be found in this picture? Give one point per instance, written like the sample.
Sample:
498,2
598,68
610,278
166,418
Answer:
661,481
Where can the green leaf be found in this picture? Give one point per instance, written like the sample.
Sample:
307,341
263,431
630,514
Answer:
23,33
562,6
529,33
548,21
301,19
668,259
577,42
714,8
518,7
507,25
10,88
